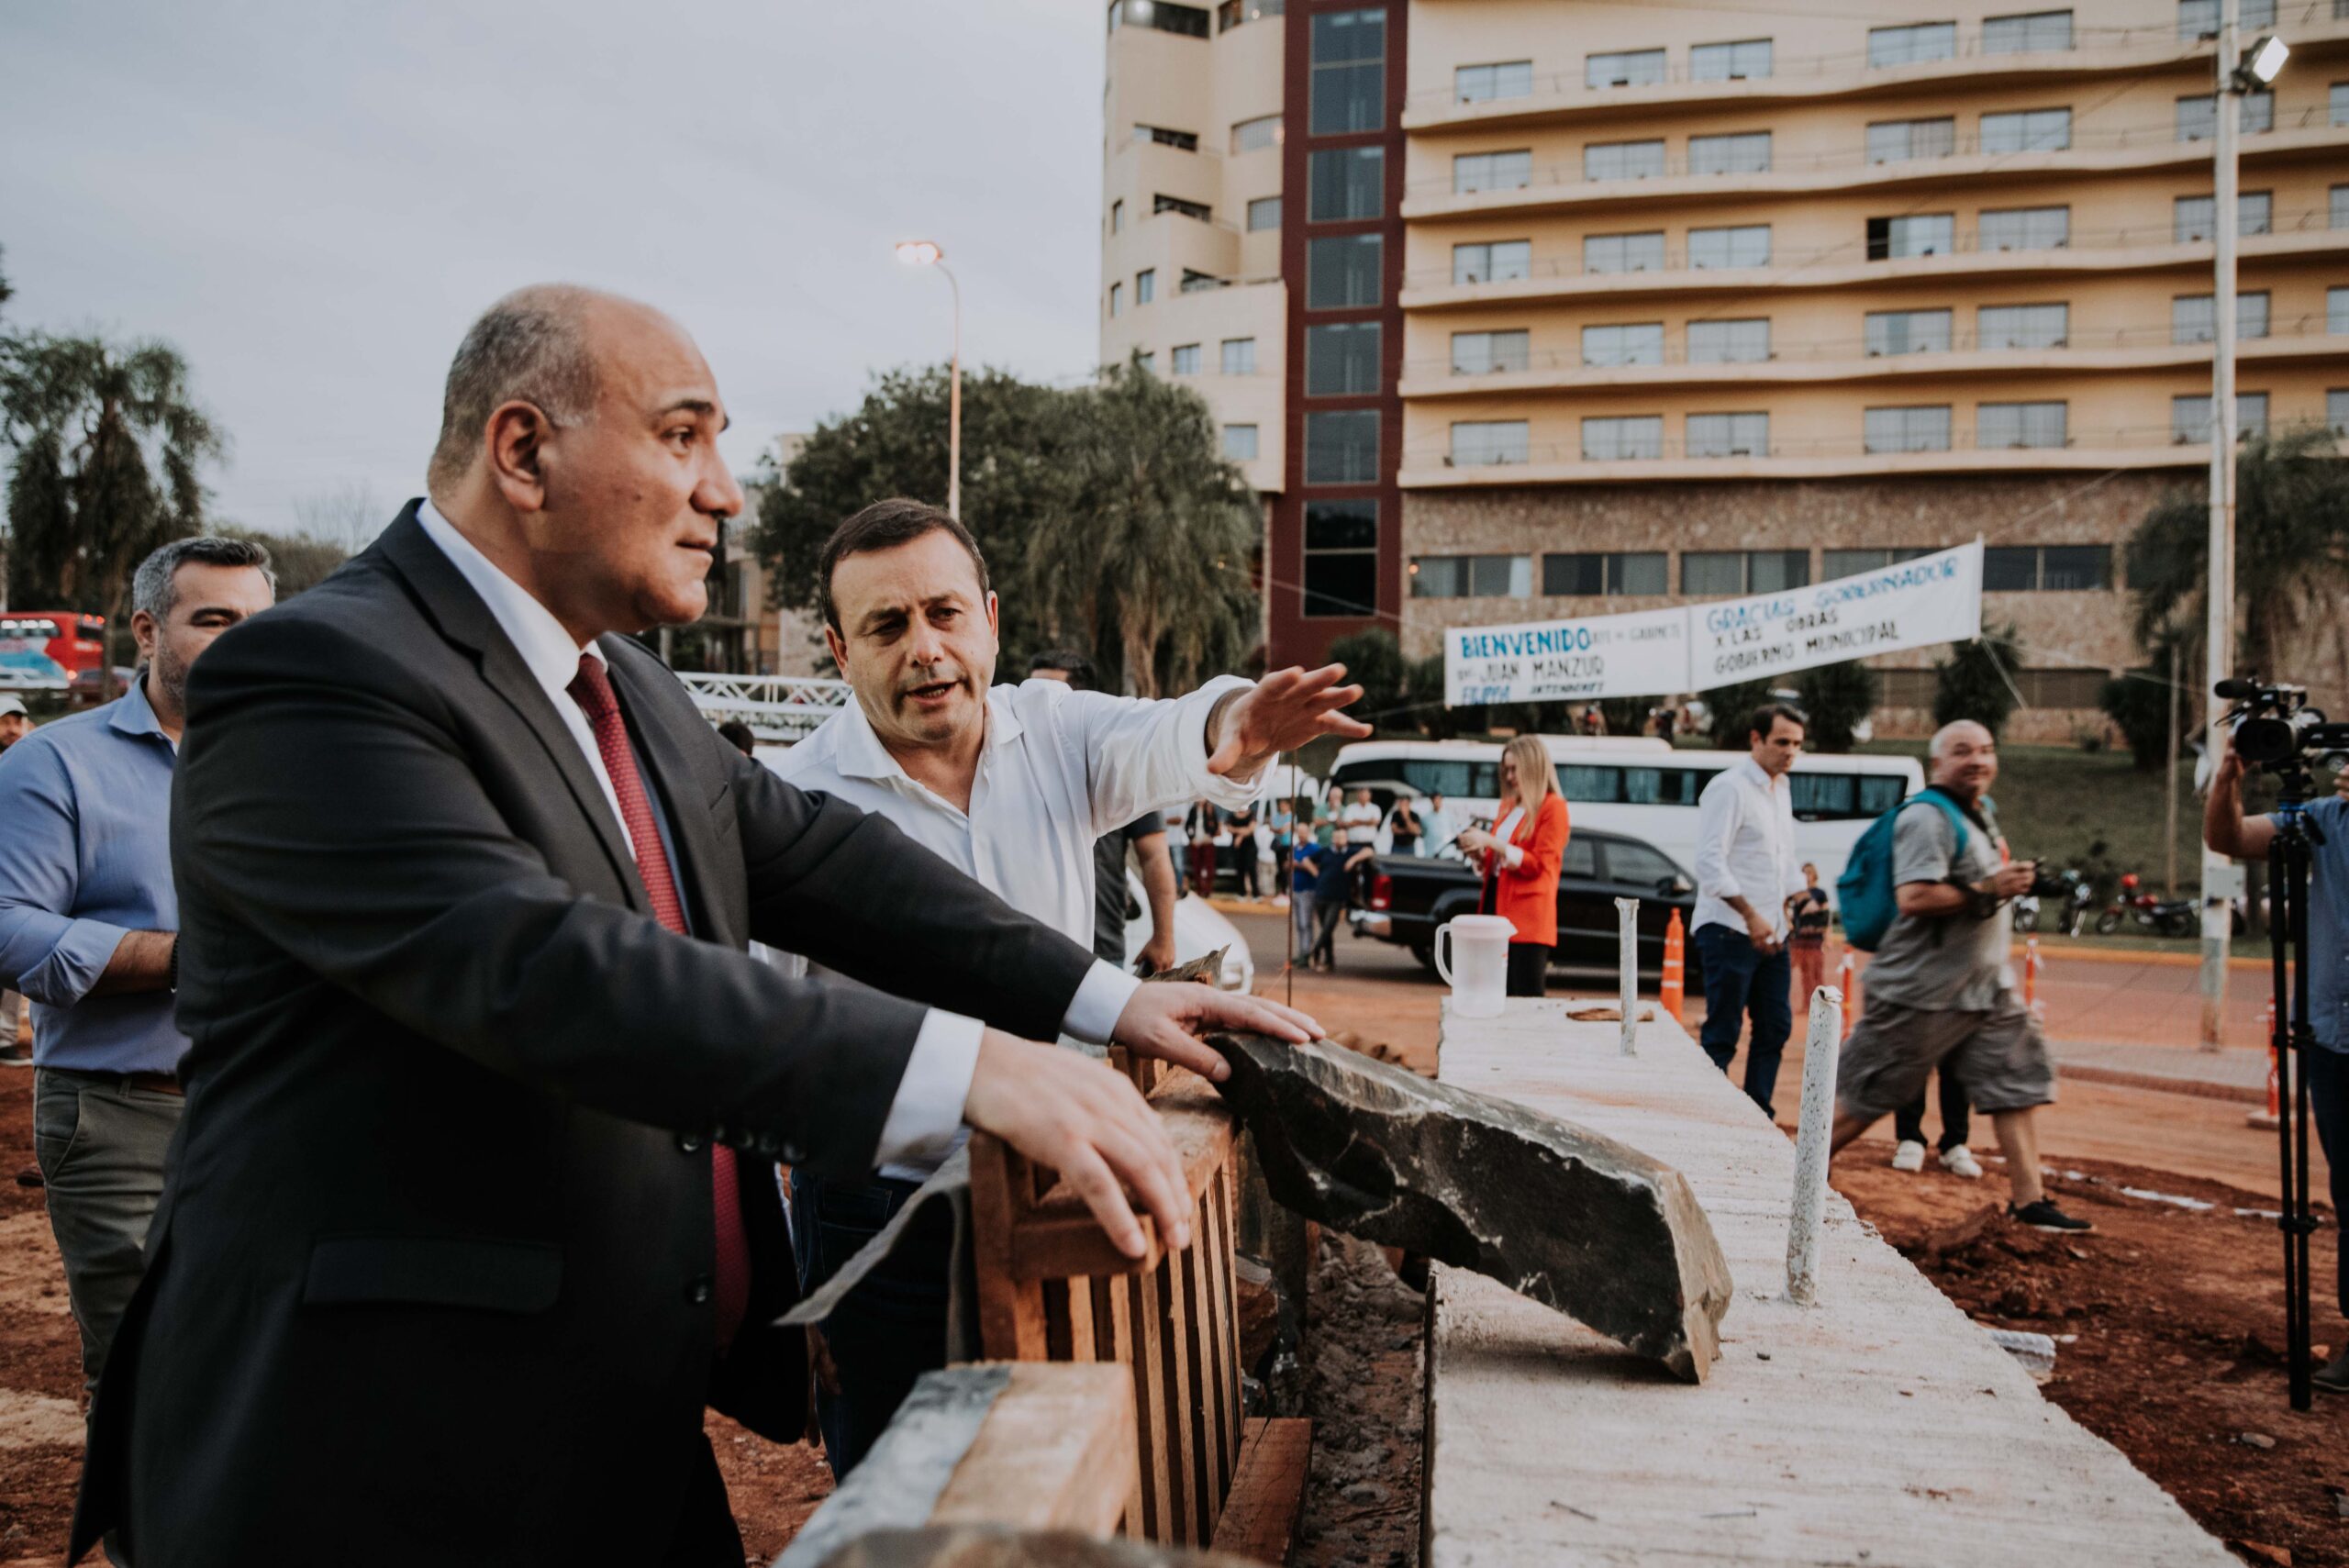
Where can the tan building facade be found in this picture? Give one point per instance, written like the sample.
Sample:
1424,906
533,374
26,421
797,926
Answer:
1698,301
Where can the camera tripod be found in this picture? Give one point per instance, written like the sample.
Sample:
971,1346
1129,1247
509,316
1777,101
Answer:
2290,855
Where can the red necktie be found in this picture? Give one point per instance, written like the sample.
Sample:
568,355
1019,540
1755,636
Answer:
592,690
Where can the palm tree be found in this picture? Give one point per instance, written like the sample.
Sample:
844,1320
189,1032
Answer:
2291,555
1152,556
107,443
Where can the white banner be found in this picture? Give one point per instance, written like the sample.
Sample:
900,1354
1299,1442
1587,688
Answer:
1695,648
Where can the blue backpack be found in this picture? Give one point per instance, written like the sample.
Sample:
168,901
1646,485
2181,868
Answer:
1864,891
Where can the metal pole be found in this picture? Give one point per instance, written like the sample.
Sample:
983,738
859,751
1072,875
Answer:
954,408
1812,1138
1627,921
2219,874
2169,782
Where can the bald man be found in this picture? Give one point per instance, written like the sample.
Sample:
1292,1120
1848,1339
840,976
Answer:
1940,988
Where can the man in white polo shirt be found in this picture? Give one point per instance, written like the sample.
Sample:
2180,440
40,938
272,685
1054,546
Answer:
1012,785
1747,868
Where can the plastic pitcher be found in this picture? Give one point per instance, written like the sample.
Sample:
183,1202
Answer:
1480,945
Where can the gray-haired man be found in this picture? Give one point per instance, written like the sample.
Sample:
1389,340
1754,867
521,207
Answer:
89,926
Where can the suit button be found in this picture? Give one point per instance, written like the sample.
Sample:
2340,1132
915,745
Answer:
689,1142
697,1291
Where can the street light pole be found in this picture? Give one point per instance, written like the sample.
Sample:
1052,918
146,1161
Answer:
924,253
2219,874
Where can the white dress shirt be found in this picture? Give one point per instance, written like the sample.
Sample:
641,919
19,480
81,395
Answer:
928,1111
1058,768
1745,848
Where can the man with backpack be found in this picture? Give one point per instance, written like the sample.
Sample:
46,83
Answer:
1940,988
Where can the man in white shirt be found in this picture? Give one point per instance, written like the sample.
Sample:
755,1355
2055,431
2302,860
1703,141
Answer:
1012,785
1747,868
1361,821
1437,827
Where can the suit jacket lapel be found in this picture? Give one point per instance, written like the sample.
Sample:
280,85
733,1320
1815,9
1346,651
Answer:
664,744
454,605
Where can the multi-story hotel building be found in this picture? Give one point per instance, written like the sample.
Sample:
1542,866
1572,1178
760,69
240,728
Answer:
1585,307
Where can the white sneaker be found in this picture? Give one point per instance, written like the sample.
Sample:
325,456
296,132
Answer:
1910,1156
1960,1161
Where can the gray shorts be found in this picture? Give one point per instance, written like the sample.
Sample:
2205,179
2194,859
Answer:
1997,1055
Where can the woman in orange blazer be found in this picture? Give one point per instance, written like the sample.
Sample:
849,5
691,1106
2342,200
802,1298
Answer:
1522,856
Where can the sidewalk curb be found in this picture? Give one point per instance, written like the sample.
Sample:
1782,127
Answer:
2164,960
2200,1088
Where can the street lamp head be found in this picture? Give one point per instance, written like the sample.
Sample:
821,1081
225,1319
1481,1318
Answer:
918,253
2265,57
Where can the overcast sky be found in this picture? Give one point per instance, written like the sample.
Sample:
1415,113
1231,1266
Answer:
311,201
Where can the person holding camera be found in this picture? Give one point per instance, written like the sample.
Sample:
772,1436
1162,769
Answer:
1940,988
2227,830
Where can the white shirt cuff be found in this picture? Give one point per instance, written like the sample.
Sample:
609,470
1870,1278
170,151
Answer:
1093,1012
1514,854
928,1111
1220,788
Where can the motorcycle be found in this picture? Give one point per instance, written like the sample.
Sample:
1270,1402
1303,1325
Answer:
2162,916
2064,896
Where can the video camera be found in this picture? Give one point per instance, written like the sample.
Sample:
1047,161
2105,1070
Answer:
2274,727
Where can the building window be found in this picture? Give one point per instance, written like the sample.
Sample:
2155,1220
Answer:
1835,563
1345,183
1186,359
2025,228
1148,362
1238,13
1181,140
1491,262
1999,426
2027,130
1908,333
1744,571
1740,341
1191,21
1263,213
1342,272
1340,359
1349,85
1145,285
1741,245
2336,312
1263,131
1622,437
1897,142
1923,234
2189,416
1911,45
1622,160
1925,429
1341,447
2193,317
1472,577
1481,443
1745,60
1484,83
1488,354
1240,443
2200,18
2339,103
2028,34
2193,218
1625,68
1116,300
2046,568
1632,343
1728,435
2023,325
1239,356
1614,574
1623,253
1743,152
1199,210
2336,410
2197,118
1116,217
1491,172
1340,558
2338,214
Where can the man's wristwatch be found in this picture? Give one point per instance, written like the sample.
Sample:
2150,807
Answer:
1985,901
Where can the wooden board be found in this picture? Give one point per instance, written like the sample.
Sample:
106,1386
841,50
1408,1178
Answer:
1267,1495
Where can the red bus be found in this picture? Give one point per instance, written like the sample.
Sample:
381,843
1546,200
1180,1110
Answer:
51,650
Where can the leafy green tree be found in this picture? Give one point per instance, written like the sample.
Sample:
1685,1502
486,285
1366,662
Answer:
1835,699
1729,710
1374,662
107,445
2291,553
301,561
1977,682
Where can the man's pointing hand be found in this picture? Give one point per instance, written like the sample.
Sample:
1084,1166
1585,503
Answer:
1279,713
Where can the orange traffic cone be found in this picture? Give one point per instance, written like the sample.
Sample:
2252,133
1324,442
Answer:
2267,1024
1674,967
1847,981
2030,973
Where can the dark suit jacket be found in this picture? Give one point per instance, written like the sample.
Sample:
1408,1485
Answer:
430,1280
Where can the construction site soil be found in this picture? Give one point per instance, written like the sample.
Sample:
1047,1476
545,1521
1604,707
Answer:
2169,1319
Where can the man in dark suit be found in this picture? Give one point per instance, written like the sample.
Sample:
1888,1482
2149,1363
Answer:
473,1206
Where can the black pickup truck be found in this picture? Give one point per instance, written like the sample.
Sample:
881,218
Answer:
1403,898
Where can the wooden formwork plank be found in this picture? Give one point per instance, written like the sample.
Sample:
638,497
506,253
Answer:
1182,1402
1152,1417
1206,1418
1057,1453
1267,1497
1056,1235
1012,1309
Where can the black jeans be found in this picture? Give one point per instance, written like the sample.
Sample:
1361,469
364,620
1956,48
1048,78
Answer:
892,1326
1528,969
2328,1074
1329,913
1908,1121
1741,980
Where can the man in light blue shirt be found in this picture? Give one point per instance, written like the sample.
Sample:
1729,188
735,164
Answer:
89,924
